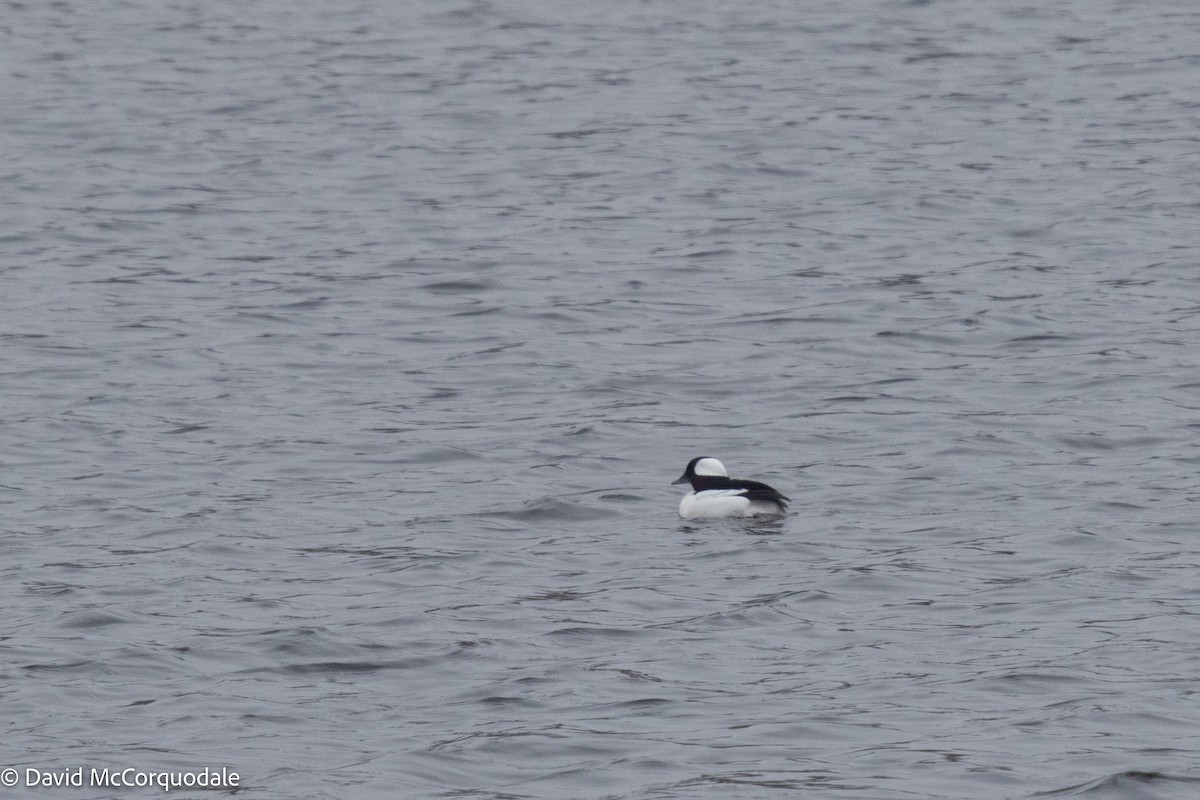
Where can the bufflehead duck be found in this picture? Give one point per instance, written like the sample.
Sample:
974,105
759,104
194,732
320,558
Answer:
715,495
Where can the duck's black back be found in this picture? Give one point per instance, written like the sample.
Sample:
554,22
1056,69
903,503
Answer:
755,490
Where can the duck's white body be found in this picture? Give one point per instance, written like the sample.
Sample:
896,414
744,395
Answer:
724,504
715,495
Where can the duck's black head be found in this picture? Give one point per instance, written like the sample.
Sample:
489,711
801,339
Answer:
704,466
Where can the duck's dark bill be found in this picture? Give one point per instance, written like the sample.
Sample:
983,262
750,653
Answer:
681,479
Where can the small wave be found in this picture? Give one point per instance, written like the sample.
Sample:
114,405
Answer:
552,509
1132,785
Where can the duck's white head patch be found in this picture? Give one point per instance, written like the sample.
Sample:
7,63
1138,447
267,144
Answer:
711,467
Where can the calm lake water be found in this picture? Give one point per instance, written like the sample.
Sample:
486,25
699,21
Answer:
348,350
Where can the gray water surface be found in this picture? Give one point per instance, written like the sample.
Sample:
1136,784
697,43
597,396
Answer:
348,349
